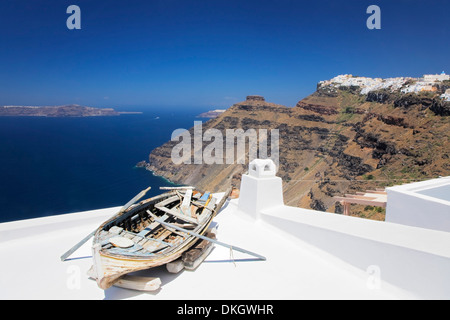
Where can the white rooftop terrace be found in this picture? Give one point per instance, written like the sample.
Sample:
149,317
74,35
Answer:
424,204
310,255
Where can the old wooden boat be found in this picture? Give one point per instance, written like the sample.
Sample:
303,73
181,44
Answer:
135,239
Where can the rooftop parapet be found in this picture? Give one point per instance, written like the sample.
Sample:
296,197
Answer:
424,204
415,262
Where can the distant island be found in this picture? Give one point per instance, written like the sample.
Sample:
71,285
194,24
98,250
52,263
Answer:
211,113
72,110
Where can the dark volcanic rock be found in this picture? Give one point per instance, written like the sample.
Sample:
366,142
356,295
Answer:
440,107
380,96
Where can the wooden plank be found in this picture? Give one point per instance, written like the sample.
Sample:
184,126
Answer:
186,204
193,257
154,216
145,231
210,206
204,197
115,230
136,198
128,234
192,265
178,215
131,282
126,251
138,283
175,266
132,235
154,246
194,209
158,243
208,210
166,202
164,219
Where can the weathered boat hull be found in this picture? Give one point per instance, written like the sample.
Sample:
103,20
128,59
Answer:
158,248
113,268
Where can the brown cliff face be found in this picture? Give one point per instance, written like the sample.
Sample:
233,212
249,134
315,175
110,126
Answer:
330,144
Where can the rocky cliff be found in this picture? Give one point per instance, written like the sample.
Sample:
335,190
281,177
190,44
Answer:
332,142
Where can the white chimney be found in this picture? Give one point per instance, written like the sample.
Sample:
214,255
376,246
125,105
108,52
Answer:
260,188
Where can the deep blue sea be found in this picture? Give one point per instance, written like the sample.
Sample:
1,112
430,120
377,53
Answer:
51,166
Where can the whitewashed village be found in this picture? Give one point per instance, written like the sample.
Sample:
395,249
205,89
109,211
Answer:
405,84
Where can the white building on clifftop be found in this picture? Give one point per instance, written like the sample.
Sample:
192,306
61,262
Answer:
404,84
436,77
364,83
446,95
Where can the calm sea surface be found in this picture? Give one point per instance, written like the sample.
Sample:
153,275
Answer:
51,166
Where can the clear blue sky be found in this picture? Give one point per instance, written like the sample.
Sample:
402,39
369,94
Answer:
166,53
